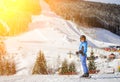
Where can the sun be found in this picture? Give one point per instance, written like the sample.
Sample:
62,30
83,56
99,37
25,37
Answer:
8,11
17,14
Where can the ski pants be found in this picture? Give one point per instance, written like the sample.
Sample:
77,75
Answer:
84,65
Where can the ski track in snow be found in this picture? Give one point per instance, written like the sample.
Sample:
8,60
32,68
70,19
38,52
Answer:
52,78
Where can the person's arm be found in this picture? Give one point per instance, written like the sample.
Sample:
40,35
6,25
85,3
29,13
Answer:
78,52
85,48
82,51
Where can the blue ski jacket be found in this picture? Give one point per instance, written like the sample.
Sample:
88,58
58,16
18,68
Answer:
83,46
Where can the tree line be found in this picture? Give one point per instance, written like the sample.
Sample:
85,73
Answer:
89,14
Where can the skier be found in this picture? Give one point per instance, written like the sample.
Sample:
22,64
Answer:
83,56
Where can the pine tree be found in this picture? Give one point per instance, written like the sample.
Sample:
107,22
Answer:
7,67
72,67
92,57
40,65
65,67
118,68
12,68
1,67
91,64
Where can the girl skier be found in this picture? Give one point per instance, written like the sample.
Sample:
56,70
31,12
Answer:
83,56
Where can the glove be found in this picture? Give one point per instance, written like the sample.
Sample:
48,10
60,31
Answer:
81,52
77,53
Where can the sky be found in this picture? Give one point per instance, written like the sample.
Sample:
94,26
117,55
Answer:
107,1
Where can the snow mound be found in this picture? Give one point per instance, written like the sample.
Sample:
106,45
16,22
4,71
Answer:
32,36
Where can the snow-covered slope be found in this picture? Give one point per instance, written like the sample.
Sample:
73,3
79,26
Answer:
32,36
102,35
69,32
56,37
56,78
106,1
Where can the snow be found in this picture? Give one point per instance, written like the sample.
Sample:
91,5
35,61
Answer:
37,36
56,78
55,37
106,1
101,36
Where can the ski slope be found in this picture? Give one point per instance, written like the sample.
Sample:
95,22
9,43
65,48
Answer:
53,78
55,37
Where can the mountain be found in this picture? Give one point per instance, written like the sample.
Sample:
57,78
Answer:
89,14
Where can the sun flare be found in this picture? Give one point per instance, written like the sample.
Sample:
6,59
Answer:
17,14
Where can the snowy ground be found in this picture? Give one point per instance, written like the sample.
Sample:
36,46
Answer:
56,78
55,37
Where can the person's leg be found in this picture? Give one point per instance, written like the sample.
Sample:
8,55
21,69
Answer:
84,65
